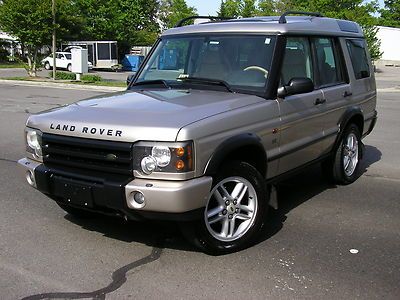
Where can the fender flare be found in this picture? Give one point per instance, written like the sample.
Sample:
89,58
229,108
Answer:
232,144
349,114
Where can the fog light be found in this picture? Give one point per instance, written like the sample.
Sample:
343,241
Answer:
138,197
136,200
30,177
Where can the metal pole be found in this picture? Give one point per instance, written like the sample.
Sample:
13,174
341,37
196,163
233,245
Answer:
54,38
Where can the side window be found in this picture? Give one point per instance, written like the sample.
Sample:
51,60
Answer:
359,59
328,64
297,61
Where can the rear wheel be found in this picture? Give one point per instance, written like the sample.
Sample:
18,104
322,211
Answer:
235,210
344,167
69,68
47,65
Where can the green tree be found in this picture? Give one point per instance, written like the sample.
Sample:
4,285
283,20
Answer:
172,11
30,21
230,8
129,22
248,8
266,8
390,14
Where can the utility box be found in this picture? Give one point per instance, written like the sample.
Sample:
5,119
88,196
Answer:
79,61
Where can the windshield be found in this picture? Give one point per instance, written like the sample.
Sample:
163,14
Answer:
240,61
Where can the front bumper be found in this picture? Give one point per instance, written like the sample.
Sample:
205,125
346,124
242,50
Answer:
108,193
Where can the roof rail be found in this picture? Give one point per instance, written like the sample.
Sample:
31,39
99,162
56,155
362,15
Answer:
181,22
282,19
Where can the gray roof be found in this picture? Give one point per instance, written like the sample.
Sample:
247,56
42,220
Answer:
294,25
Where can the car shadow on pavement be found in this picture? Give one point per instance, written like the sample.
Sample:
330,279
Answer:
302,187
149,233
371,155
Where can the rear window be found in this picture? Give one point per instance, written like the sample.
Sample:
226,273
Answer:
359,58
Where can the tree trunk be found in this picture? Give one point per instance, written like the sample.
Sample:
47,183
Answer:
31,56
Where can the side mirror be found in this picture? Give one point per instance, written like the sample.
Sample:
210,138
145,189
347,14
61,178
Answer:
129,79
297,85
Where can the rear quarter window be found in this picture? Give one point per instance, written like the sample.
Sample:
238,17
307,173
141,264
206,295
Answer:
359,58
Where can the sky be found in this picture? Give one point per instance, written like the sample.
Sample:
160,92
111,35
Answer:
205,7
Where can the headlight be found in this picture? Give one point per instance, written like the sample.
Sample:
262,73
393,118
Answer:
152,157
34,142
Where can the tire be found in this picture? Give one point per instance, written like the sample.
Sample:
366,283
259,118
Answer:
344,167
76,212
235,210
47,65
69,68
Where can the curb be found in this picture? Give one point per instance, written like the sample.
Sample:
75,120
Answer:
59,85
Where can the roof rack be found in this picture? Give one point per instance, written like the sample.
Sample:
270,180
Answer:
181,22
282,19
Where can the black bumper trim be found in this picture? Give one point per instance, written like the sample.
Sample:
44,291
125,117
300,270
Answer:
107,193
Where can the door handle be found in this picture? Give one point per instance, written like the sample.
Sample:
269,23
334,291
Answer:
319,101
347,94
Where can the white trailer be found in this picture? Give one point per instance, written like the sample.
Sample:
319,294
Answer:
102,54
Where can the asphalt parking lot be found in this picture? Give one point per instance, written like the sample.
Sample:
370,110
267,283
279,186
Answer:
305,252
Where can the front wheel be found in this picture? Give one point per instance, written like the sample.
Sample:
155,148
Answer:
235,210
69,68
47,65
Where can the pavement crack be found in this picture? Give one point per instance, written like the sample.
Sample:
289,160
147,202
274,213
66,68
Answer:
119,277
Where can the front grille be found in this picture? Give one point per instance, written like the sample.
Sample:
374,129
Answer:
99,155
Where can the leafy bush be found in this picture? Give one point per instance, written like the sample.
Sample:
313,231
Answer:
63,75
71,76
4,55
91,78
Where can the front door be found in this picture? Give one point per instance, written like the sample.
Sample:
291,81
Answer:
302,129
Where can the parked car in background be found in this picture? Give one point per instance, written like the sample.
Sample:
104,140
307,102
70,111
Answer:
63,61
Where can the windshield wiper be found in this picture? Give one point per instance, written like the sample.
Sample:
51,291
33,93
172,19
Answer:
152,82
207,81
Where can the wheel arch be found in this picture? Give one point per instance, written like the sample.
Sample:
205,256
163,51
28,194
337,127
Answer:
353,115
245,147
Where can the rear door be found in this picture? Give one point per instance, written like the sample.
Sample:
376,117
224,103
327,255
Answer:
302,127
332,79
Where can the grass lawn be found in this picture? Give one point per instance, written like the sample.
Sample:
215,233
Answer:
97,83
5,65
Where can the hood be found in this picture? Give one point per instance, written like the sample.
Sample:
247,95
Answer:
138,115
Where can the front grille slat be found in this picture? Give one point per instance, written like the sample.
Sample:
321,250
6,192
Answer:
99,155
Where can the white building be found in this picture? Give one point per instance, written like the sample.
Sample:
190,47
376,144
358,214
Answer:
390,45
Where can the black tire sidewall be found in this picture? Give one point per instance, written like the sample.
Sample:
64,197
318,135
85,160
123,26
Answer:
69,68
242,169
47,66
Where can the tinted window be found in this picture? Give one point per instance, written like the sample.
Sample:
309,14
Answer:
327,62
113,51
359,59
103,51
297,61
